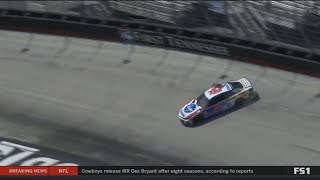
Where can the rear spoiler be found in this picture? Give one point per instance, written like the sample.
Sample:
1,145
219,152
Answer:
245,83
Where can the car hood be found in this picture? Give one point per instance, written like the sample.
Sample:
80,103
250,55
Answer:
190,109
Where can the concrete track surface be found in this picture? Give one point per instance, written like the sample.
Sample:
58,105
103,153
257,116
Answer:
82,97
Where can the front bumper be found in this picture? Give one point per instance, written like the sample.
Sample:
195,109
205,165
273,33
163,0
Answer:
181,117
186,123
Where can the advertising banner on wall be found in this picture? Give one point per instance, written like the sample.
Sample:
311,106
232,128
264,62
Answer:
133,36
240,53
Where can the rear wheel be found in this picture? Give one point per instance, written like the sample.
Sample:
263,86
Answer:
239,103
256,97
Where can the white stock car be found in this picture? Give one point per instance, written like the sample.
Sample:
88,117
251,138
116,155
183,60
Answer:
217,99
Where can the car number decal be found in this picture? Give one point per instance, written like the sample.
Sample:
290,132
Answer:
216,89
218,108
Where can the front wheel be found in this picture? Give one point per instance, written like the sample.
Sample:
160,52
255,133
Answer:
189,123
197,119
193,121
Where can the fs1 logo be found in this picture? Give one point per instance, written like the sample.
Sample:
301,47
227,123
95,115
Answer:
301,170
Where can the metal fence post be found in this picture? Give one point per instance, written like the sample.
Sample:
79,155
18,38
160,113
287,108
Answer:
302,32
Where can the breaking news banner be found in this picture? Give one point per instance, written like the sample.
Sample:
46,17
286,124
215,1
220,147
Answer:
39,171
160,170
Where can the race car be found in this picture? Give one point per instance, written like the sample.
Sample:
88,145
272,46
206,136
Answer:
217,99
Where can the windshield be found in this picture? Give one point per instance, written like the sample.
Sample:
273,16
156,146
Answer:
202,100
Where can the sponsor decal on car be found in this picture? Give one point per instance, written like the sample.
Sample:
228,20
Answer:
216,90
218,108
227,106
245,83
190,108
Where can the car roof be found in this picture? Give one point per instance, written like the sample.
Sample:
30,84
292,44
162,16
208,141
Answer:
217,89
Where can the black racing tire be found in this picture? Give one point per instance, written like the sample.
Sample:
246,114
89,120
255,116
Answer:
184,123
197,119
239,103
187,124
191,122
256,97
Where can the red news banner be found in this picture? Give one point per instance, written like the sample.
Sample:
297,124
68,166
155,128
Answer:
38,170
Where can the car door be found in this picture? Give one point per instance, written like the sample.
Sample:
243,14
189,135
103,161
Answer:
224,103
218,104
213,106
233,97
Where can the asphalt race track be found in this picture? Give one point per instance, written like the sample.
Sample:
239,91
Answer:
118,104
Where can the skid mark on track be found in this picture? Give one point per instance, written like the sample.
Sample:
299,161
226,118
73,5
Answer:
128,57
191,70
316,151
66,44
161,61
98,49
290,85
225,72
47,98
262,74
27,47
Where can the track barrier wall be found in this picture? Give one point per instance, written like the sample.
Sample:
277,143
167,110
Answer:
297,60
